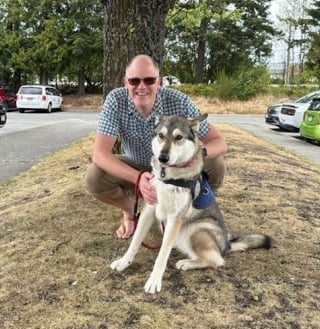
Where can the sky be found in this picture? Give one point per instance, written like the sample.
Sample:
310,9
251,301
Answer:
279,55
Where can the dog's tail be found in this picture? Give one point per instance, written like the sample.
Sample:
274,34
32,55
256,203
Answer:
249,241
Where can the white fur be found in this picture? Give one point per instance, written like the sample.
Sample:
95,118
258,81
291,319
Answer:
174,205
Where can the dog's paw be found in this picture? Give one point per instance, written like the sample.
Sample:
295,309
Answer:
120,264
153,284
185,264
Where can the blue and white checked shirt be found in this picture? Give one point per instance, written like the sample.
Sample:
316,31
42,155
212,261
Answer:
119,117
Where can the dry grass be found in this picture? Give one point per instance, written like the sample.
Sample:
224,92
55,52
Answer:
56,244
209,105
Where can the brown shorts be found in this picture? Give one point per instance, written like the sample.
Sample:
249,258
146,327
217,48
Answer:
99,183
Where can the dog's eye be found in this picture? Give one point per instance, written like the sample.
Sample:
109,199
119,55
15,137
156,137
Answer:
178,138
161,136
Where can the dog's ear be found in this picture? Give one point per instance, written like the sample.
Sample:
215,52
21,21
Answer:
195,122
158,118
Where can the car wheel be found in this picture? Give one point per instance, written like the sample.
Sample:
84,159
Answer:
21,110
61,107
49,109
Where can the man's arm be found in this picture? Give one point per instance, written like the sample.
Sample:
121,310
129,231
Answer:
106,160
215,143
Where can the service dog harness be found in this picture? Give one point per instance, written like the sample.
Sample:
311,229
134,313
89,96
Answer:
201,193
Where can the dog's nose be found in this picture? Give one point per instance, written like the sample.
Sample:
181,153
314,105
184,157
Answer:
163,157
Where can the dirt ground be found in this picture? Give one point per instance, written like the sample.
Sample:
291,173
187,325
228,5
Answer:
56,244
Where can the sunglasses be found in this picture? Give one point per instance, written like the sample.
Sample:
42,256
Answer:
147,81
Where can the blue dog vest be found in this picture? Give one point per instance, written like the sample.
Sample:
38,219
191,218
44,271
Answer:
206,196
201,192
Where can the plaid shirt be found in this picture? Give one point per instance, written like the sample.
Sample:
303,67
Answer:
119,117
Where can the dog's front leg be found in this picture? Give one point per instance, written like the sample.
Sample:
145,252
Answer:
147,218
170,235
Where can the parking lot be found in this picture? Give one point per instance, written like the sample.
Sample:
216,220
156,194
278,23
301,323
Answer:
29,137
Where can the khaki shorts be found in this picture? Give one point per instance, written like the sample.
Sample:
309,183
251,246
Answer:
99,183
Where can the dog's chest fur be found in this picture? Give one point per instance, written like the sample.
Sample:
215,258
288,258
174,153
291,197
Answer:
173,201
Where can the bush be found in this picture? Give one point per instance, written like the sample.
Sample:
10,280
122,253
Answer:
244,85
200,89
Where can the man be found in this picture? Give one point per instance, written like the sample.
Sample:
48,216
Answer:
128,112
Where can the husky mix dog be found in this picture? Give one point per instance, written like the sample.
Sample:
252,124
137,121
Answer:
194,227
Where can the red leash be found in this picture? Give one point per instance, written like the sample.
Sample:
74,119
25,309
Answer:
136,215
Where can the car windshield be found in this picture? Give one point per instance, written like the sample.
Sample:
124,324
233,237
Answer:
31,90
307,98
315,105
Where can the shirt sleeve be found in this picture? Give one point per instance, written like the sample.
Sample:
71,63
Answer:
108,123
193,111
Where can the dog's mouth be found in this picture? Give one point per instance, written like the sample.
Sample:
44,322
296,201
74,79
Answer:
164,161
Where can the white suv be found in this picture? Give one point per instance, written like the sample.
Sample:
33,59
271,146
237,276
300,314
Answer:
39,97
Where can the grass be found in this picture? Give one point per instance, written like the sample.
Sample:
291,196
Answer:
257,105
56,244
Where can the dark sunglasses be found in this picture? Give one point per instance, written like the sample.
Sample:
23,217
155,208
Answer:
147,81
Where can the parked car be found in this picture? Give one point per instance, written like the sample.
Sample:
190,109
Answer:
7,98
310,127
3,115
170,80
273,111
39,97
291,114
272,114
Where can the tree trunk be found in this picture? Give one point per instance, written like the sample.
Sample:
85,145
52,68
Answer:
81,81
199,76
131,28
44,77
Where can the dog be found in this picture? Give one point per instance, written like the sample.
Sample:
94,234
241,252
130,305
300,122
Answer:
198,232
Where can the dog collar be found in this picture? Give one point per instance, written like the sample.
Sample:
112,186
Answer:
190,184
185,165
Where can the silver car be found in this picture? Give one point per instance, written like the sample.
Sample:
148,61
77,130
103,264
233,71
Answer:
291,114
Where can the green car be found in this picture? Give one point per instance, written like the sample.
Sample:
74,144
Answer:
310,126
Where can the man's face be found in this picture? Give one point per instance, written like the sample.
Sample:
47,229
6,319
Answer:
142,81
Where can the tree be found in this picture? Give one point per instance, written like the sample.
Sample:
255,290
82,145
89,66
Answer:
46,39
132,28
207,37
85,43
292,23
313,56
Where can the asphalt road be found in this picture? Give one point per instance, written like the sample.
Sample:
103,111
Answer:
29,137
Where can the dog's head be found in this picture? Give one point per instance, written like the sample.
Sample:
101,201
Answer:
176,139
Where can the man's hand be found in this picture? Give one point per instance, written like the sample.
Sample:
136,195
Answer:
147,190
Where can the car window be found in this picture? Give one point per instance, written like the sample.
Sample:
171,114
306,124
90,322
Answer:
315,105
30,90
307,98
50,91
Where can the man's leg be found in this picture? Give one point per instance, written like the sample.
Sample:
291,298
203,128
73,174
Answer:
216,169
110,190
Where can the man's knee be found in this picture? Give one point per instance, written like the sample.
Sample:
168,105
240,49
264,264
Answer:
216,169
100,184
92,177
